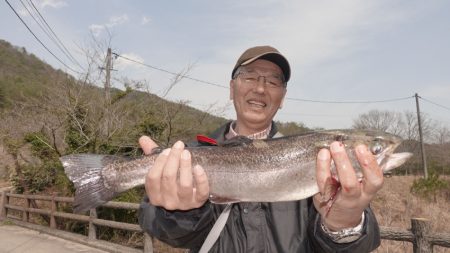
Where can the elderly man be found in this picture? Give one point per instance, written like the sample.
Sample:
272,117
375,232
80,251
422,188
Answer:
177,210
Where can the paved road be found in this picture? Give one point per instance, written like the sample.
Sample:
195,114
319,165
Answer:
14,239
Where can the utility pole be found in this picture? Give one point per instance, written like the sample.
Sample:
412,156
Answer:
107,105
422,146
108,78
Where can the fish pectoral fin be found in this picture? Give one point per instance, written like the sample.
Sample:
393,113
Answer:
222,200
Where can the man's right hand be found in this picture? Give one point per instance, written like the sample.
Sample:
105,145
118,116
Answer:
170,181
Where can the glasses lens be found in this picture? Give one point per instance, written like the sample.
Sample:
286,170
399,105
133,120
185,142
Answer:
252,77
274,81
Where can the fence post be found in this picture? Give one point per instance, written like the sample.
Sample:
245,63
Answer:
92,229
25,213
420,227
3,203
148,243
54,208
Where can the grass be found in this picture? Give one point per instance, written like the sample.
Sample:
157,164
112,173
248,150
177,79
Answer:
6,223
394,206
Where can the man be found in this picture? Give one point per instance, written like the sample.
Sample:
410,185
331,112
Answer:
180,214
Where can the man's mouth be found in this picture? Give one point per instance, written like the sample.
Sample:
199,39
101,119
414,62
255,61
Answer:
256,103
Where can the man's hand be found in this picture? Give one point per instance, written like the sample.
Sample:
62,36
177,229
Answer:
353,196
170,181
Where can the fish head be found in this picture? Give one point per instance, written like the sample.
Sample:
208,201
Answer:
381,144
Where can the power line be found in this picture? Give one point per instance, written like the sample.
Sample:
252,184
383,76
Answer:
431,102
48,50
288,98
170,72
349,102
40,24
56,36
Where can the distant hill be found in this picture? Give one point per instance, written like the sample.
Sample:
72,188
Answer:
437,156
22,74
24,77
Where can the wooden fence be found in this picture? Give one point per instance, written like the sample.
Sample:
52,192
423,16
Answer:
420,235
92,220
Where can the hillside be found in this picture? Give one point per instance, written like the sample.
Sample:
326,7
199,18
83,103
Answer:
70,115
22,75
437,155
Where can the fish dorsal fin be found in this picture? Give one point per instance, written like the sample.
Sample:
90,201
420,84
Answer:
236,141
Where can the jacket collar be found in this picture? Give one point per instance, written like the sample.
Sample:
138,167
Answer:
219,134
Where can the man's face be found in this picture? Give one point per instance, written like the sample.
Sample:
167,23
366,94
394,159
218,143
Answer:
256,102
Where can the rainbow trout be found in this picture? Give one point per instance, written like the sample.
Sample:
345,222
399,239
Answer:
239,170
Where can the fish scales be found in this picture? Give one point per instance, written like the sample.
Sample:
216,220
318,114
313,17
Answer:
240,170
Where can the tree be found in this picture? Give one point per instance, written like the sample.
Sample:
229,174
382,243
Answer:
442,134
385,121
404,125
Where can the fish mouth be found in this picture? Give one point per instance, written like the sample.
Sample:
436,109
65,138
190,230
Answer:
395,160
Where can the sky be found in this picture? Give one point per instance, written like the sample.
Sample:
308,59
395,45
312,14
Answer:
339,51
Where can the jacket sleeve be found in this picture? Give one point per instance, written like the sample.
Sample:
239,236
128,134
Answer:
182,229
368,242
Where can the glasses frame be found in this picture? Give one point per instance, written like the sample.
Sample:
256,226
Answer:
242,70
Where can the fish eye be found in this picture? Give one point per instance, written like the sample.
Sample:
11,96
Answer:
377,148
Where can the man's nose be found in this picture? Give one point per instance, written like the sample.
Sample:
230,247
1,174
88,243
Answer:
261,84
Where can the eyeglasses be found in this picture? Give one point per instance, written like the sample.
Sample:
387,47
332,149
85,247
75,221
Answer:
252,77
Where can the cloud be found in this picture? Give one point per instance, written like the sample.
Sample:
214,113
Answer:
314,32
96,29
23,12
113,21
117,20
41,5
52,3
145,20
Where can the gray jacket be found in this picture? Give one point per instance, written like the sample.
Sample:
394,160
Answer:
252,227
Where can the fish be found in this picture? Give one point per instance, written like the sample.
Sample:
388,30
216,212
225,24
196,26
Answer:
238,170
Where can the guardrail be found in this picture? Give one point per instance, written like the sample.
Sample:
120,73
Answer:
420,234
92,220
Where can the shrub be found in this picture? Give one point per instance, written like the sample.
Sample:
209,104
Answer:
430,187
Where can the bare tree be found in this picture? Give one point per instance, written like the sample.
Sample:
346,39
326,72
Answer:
385,121
442,134
404,125
411,127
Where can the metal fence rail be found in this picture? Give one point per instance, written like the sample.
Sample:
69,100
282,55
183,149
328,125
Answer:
420,234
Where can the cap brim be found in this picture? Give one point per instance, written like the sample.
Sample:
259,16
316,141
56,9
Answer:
276,58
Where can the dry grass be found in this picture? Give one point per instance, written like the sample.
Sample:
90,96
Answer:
395,206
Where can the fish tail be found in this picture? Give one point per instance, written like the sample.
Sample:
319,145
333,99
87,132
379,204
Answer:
85,171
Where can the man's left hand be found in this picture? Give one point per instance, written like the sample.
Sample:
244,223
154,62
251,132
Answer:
354,195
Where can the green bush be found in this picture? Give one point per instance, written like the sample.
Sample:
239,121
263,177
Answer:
40,146
430,187
50,174
33,179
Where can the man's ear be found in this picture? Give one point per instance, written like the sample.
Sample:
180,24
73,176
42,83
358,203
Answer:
282,100
232,84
